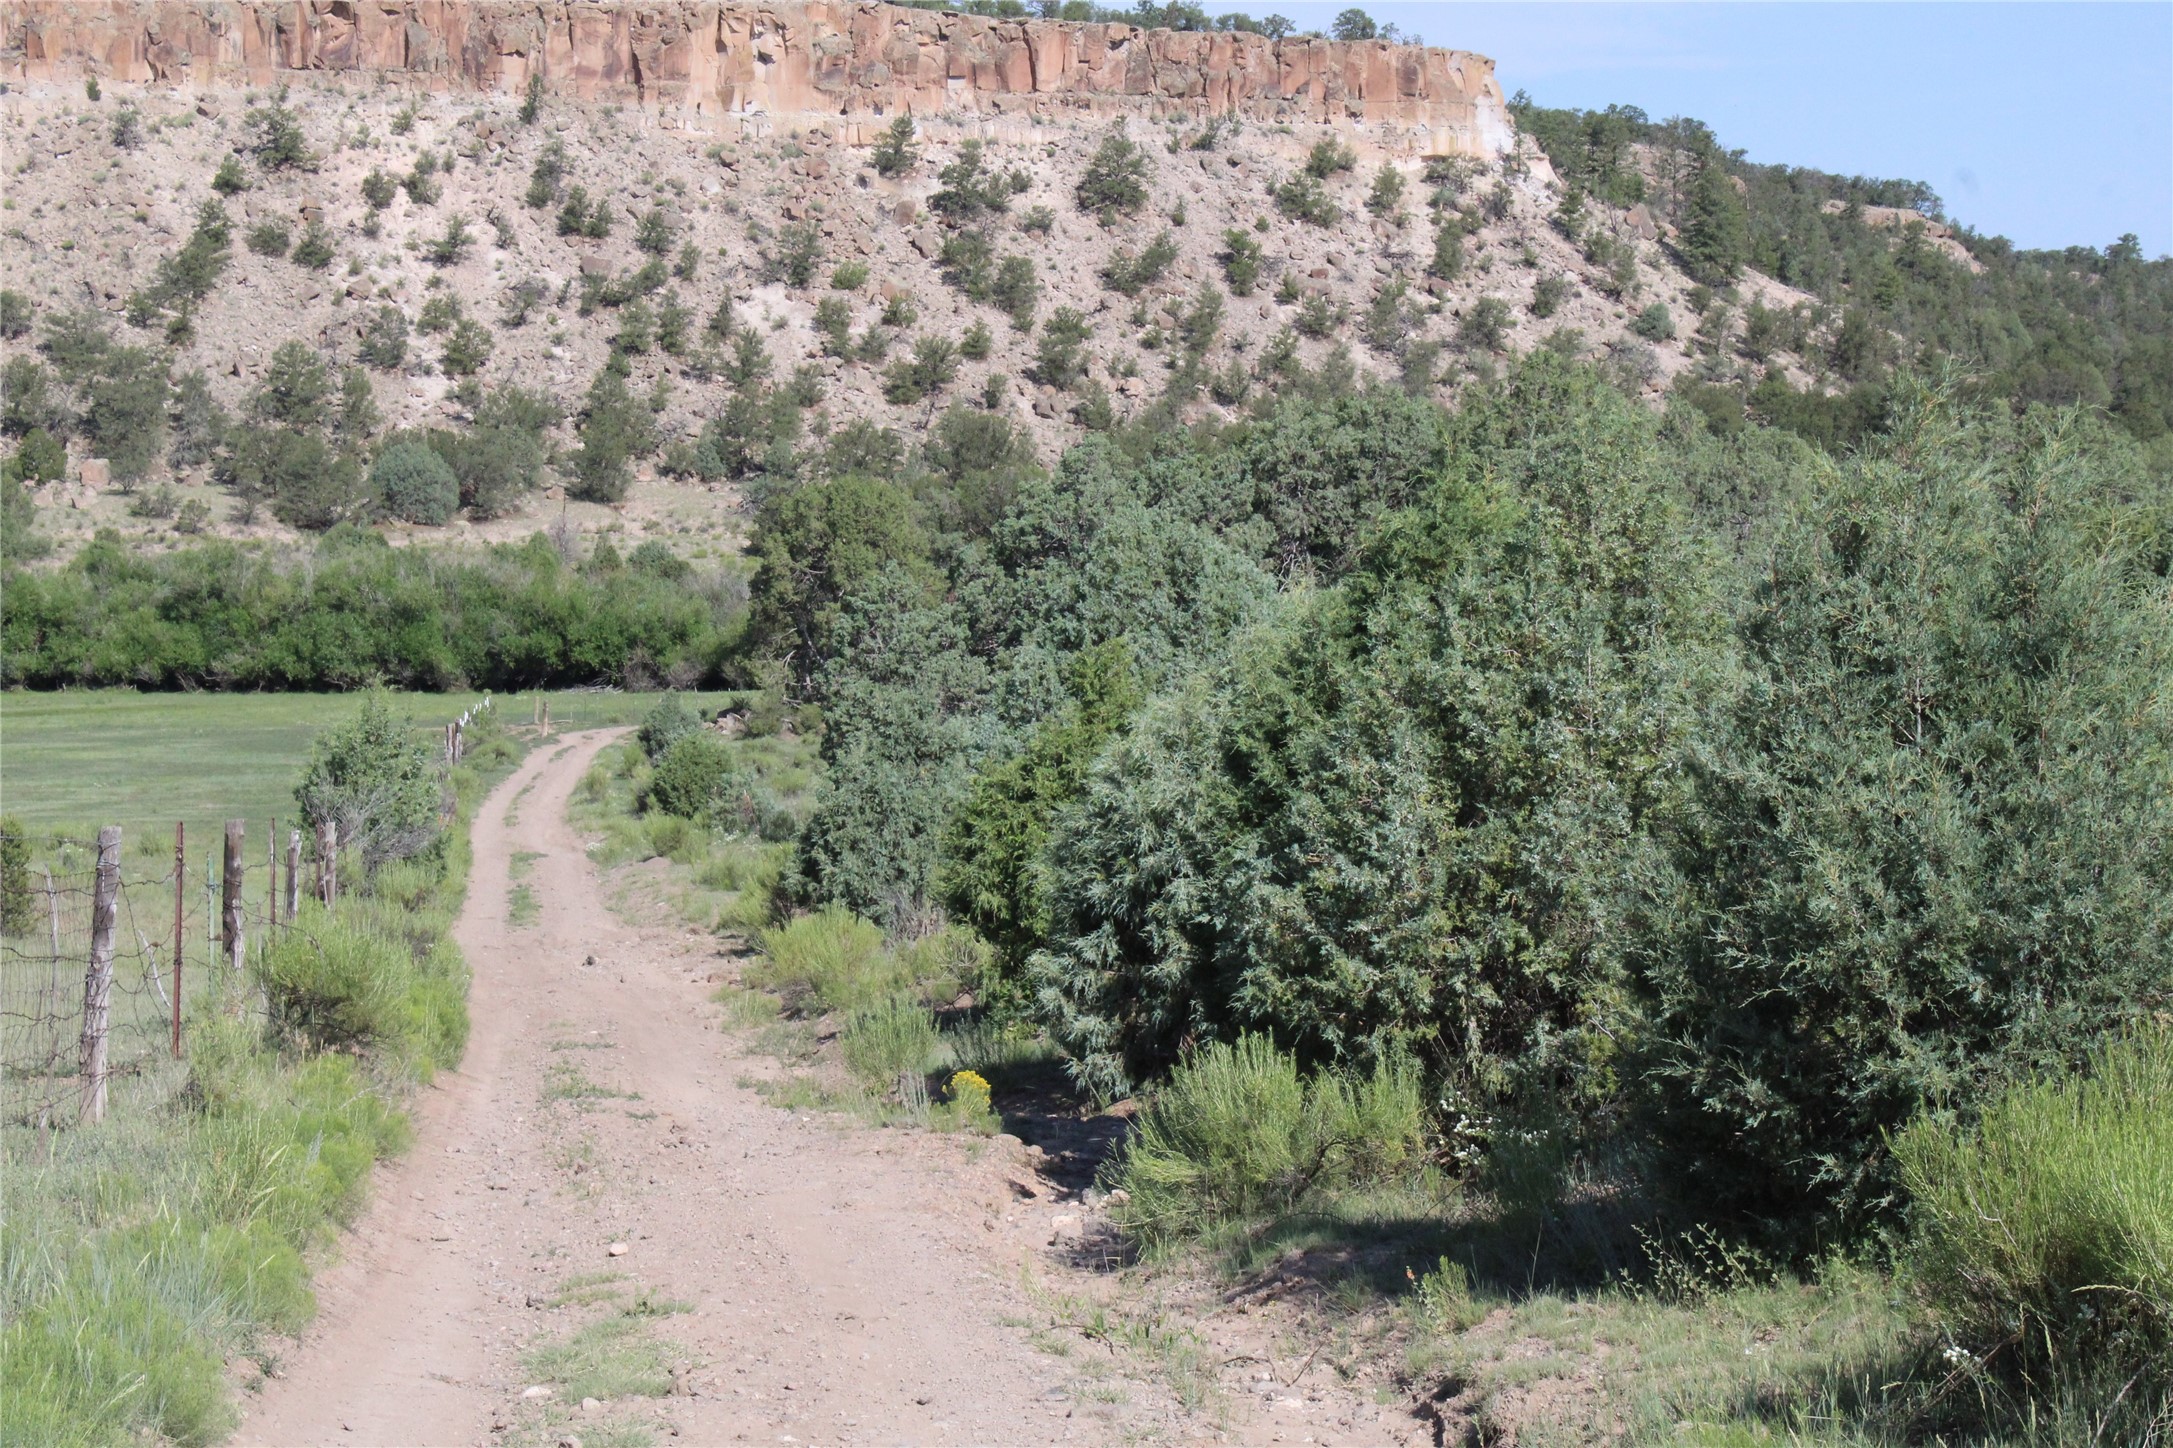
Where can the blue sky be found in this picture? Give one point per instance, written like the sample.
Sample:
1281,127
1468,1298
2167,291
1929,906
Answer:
2051,124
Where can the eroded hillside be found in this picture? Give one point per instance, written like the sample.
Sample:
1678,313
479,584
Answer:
782,290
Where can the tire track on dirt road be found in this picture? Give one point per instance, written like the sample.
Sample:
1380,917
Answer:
836,1296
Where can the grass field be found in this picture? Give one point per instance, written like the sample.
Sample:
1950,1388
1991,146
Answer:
76,760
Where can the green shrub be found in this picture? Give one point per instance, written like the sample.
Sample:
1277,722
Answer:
1376,871
692,775
230,178
124,413
1239,1134
15,897
384,339
504,616
671,837
2044,1230
892,1039
1302,198
1485,327
932,367
16,313
1328,157
275,136
895,153
1655,323
970,189
314,251
1115,182
1060,358
377,782
1132,274
1547,295
664,725
40,458
467,348
830,960
796,257
1386,196
1914,863
1242,258
653,233
415,485
331,984
270,238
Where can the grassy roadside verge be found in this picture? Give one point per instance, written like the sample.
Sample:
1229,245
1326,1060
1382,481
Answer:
149,1261
1526,1294
79,758
875,1028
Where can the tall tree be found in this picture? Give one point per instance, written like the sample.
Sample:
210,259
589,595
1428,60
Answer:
1716,225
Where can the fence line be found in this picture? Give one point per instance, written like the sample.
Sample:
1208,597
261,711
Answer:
93,981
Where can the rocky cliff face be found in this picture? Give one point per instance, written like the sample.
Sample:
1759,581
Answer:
706,63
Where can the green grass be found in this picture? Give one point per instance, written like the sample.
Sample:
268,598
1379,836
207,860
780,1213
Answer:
2045,1230
566,1082
144,1254
724,880
889,1040
613,1357
84,758
586,1288
522,907
1239,1133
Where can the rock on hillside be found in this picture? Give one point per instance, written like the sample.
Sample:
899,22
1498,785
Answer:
88,222
699,62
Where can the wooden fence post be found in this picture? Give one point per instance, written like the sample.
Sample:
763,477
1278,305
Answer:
98,982
271,878
181,871
332,864
294,874
230,934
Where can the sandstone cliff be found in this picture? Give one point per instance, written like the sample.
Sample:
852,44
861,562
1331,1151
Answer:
705,63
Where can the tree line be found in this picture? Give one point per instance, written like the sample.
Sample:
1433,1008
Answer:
2075,325
1646,783
353,610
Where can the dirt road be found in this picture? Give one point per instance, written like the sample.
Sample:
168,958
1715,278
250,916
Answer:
843,1284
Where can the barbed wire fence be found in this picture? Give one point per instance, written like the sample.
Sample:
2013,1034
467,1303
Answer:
103,967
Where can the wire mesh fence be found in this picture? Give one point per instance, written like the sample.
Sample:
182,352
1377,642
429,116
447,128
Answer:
105,962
